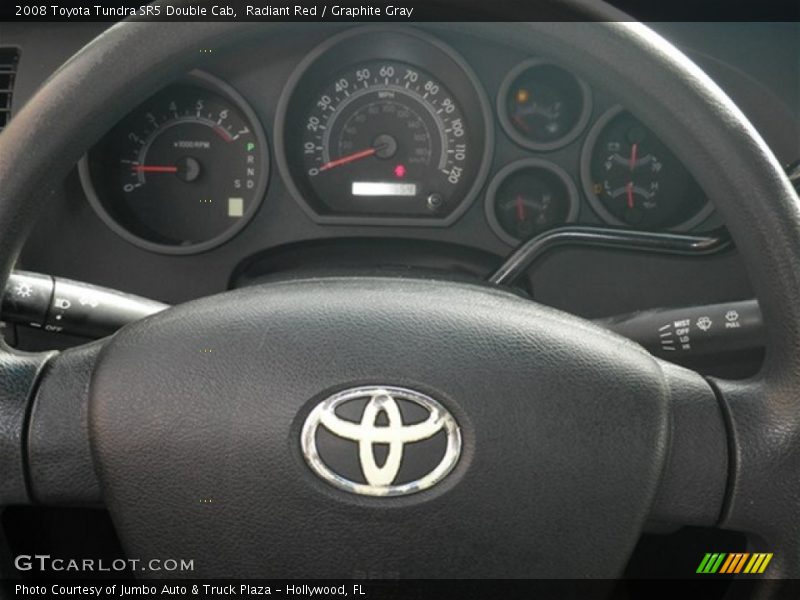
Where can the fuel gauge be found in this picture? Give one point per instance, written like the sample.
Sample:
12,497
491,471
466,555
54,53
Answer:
528,197
542,106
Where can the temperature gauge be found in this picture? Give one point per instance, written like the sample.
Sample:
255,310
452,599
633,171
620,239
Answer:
528,197
632,178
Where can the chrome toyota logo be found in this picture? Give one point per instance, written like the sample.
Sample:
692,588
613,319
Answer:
419,439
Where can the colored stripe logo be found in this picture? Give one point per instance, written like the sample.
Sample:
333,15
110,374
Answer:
735,562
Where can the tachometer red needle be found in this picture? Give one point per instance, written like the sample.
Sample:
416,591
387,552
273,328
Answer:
348,159
154,169
634,149
629,189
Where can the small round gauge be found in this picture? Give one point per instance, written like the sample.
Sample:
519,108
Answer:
631,178
528,197
400,140
542,106
183,172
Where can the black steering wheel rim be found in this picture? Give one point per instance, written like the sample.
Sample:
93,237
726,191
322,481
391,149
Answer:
726,155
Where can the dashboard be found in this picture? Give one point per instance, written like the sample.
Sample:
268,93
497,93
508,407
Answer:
397,149
401,154
380,126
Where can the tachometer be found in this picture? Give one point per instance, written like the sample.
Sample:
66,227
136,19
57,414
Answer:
183,172
385,138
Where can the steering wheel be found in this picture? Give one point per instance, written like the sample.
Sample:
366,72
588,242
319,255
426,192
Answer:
188,424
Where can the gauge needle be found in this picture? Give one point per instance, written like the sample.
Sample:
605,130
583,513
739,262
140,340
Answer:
634,149
348,159
521,122
629,189
520,208
154,169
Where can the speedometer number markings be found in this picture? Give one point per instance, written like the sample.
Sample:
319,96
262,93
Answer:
382,126
379,122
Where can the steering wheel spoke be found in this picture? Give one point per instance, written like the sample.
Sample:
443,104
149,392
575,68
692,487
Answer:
695,478
60,465
762,501
19,375
44,416
730,442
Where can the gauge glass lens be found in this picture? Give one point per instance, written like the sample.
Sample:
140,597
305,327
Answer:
386,138
529,197
542,106
182,171
634,179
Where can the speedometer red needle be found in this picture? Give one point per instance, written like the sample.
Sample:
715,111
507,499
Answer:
154,169
348,159
629,189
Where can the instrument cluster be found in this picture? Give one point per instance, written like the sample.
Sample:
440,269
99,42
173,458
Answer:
390,127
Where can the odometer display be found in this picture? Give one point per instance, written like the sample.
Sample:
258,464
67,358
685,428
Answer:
399,139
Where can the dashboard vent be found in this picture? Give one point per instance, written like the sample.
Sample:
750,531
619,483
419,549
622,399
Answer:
9,58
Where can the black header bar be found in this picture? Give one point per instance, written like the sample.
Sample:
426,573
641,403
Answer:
397,11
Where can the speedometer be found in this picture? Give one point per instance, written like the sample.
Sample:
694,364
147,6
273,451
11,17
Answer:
387,137
384,138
